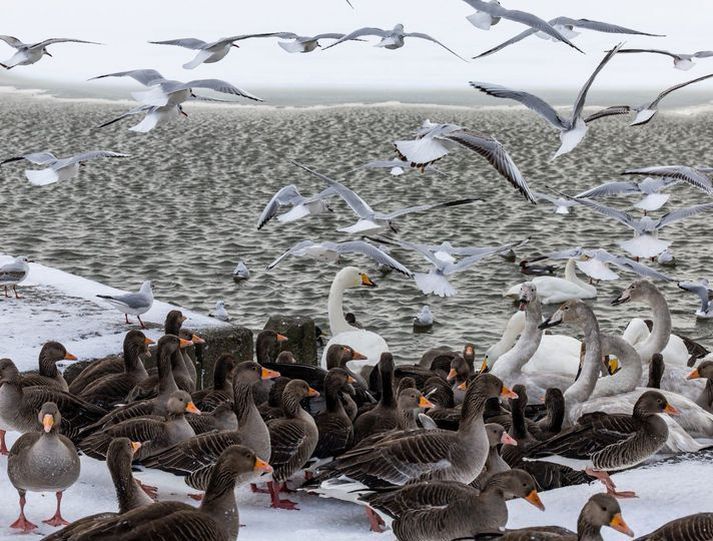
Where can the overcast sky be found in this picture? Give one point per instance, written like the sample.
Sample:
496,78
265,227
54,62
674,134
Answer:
126,25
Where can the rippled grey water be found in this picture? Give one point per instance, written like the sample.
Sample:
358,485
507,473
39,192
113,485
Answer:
183,209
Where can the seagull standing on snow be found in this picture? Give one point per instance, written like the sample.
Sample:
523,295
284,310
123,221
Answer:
132,303
391,39
490,13
29,53
649,188
300,206
565,26
219,312
702,289
58,169
434,140
573,129
14,273
644,112
681,61
371,221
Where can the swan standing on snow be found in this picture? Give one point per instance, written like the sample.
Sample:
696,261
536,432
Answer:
573,129
649,188
366,342
29,53
552,290
704,293
58,169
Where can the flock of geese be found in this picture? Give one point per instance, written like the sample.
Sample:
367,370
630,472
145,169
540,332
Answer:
437,446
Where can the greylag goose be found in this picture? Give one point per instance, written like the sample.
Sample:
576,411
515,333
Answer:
43,461
494,464
600,510
101,368
704,371
599,442
292,439
222,390
173,325
460,370
215,520
108,390
129,494
150,387
336,432
49,375
268,345
221,418
551,423
696,527
195,458
19,405
155,433
446,510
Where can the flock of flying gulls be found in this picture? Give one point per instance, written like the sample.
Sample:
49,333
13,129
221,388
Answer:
437,446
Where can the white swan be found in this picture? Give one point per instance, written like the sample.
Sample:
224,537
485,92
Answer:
693,420
365,342
553,290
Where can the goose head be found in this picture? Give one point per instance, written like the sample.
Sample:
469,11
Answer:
180,402
528,293
237,460
137,343
412,399
497,435
704,370
8,371
351,277
603,510
251,372
49,417
639,290
653,402
517,484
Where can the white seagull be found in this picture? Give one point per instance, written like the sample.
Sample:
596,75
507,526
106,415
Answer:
644,112
561,204
58,169
433,142
29,53
332,252
424,318
304,44
566,27
300,206
153,117
371,221
681,61
645,242
132,303
695,176
594,262
219,312
168,92
241,272
444,264
573,129
704,292
649,188
396,167
490,13
390,39
14,273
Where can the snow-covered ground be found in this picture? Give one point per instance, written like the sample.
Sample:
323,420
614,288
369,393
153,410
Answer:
60,306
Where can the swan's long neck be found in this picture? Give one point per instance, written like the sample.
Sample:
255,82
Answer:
661,331
628,378
581,390
570,274
337,322
513,329
512,362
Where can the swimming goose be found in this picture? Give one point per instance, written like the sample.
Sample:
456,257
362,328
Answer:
292,439
650,188
155,434
599,443
367,343
336,433
446,510
704,293
29,53
129,494
14,273
696,527
554,290
216,519
572,129
19,405
681,61
600,510
58,169
42,461
109,390
221,391
49,375
132,303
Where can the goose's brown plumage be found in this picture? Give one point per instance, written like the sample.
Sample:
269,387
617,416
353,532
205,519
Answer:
49,375
698,527
494,464
215,520
705,371
385,416
335,428
267,346
222,389
151,386
221,418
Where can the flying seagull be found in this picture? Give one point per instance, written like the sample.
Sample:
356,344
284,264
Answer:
167,92
58,169
390,39
396,167
300,206
332,251
594,262
644,112
565,26
649,188
573,129
371,221
29,53
561,204
153,117
434,140
490,13
208,52
304,44
132,303
704,292
696,177
681,61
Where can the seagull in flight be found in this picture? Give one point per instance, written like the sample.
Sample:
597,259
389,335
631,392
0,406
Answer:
332,252
390,39
153,117
704,292
681,61
434,140
649,188
396,167
561,204
29,53
644,112
490,13
594,262
695,176
163,92
300,206
371,221
572,129
58,169
566,27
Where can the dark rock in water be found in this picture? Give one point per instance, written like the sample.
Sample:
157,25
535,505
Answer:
301,336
